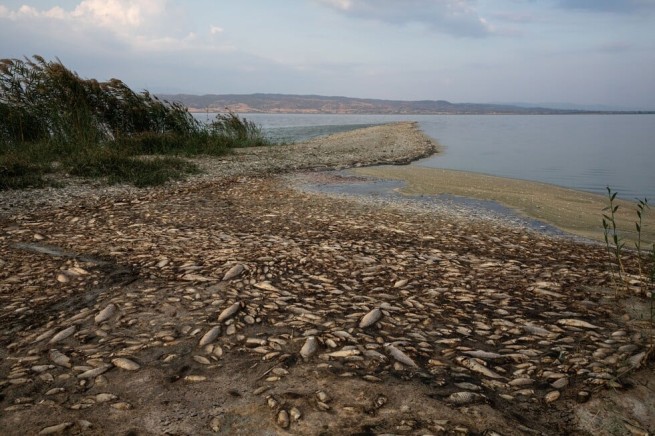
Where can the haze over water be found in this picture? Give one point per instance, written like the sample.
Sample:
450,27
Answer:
584,152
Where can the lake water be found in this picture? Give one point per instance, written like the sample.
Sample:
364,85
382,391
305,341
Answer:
585,152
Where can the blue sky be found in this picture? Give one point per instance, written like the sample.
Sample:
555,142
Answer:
536,51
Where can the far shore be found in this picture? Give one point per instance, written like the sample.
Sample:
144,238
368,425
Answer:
576,212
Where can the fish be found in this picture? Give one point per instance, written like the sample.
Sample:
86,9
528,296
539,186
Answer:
571,322
370,318
399,356
309,347
229,312
474,366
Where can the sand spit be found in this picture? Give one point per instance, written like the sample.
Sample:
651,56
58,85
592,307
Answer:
238,305
575,212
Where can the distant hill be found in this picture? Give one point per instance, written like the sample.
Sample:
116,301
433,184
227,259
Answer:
316,104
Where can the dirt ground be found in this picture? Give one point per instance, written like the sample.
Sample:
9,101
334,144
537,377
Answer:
240,305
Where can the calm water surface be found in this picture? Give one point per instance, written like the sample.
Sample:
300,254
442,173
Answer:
585,152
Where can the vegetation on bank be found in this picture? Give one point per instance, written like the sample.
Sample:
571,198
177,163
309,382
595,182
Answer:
53,121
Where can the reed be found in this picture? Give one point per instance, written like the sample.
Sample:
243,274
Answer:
52,120
613,241
642,207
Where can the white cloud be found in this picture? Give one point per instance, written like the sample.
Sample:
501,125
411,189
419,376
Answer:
136,24
119,13
456,17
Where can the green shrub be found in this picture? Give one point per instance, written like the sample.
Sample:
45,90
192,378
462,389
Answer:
49,114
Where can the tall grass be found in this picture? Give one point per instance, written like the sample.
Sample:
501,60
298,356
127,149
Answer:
615,246
613,241
52,120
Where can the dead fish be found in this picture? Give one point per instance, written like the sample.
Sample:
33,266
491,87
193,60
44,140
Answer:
202,360
59,428
370,318
521,381
571,322
400,283
215,424
229,312
45,335
474,366
59,358
283,419
233,272
323,397
465,397
195,378
295,414
372,354
536,330
380,401
560,383
266,286
105,397
400,356
551,396
636,360
126,364
345,353
210,336
92,373
483,354
309,347
105,313
62,335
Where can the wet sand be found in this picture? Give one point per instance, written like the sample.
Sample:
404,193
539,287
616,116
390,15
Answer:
576,212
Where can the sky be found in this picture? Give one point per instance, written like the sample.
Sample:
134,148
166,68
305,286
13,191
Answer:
588,52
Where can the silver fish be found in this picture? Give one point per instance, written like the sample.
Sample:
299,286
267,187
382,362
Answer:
399,356
229,312
370,318
474,366
309,347
105,313
233,272
210,336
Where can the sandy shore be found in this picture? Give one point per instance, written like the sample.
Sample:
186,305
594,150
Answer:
576,212
235,304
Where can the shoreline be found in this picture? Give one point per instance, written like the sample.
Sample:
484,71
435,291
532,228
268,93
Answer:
234,303
572,211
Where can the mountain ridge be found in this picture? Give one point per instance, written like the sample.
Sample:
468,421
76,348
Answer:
319,104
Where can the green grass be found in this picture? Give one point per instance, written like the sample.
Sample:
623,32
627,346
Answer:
615,246
53,121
